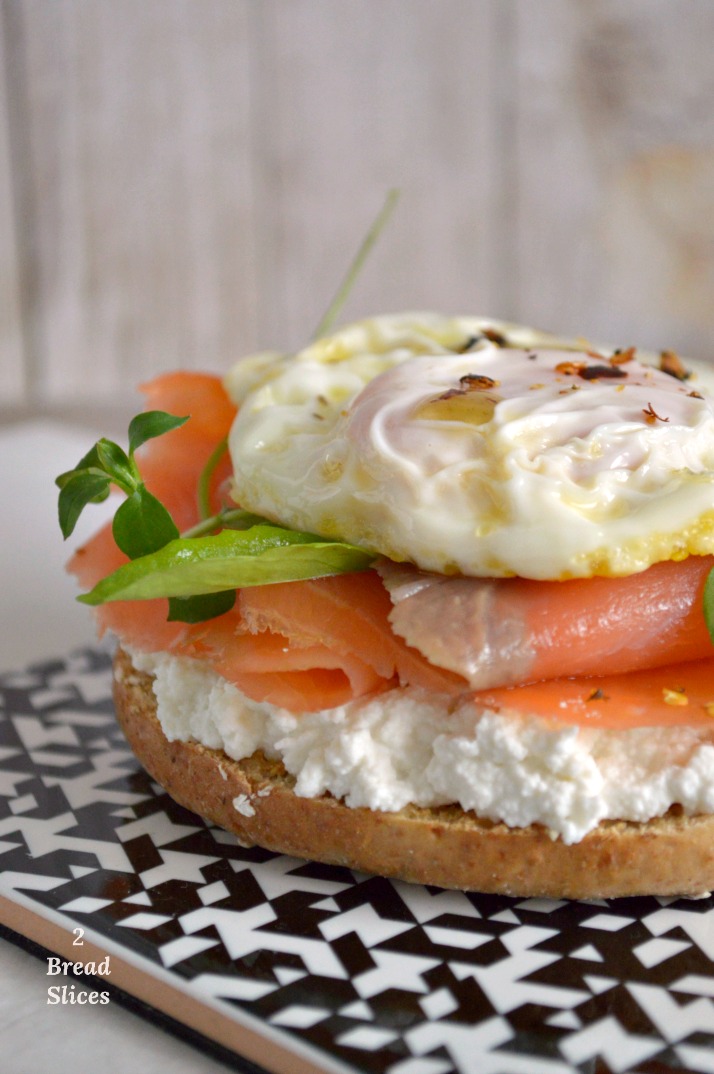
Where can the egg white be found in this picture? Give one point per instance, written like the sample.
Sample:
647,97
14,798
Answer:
525,467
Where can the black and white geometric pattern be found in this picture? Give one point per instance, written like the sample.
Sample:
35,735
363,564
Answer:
381,976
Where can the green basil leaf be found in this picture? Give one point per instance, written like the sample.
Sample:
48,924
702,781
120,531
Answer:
68,475
80,488
142,524
709,604
231,559
198,609
149,424
232,518
116,463
90,461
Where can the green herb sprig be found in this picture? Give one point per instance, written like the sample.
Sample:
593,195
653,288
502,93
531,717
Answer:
260,555
200,570
355,267
141,524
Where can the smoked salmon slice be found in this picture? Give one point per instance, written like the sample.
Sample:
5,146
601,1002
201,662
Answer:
501,632
348,613
171,465
271,667
657,697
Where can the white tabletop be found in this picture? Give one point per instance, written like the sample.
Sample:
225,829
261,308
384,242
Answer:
42,620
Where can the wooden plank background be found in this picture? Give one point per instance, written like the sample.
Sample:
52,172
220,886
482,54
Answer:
183,182
12,371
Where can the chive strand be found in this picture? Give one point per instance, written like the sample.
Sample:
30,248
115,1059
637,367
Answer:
203,491
335,307
229,518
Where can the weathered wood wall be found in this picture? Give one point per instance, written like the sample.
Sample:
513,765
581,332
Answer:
182,182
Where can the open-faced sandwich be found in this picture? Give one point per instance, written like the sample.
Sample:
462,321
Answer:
442,611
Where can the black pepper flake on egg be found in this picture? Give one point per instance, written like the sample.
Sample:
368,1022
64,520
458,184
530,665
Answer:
470,382
486,333
651,416
670,362
470,342
495,337
477,382
602,372
569,368
621,356
597,695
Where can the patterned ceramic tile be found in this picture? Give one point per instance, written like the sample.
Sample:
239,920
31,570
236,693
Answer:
374,976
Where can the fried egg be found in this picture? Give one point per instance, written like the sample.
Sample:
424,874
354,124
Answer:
470,446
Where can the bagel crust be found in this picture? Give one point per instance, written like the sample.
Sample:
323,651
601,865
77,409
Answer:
445,847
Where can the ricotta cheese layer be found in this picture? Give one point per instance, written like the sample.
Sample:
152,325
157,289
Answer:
407,746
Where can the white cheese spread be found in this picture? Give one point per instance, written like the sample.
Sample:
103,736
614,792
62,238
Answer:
406,746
